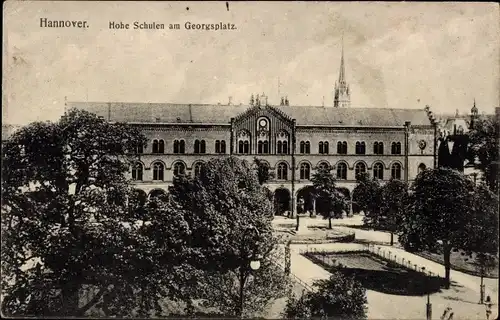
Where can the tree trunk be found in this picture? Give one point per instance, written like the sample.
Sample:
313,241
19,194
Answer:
70,300
330,222
447,264
392,238
242,291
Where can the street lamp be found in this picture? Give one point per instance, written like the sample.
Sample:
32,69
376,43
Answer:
428,306
255,264
247,266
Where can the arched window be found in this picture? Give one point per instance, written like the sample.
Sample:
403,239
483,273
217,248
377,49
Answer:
323,166
360,168
197,169
360,147
179,146
305,171
137,172
282,171
342,147
179,169
302,147
323,147
421,167
308,147
139,149
378,171
197,146
342,171
155,146
158,171
396,171
378,148
263,138
220,146
161,146
243,139
396,148
282,142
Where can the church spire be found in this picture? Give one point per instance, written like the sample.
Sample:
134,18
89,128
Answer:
342,67
342,94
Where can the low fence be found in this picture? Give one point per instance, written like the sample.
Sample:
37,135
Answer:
389,256
276,260
328,239
319,256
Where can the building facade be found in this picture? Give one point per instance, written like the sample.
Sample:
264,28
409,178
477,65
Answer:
294,140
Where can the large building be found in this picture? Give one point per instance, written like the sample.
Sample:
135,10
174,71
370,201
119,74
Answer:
294,140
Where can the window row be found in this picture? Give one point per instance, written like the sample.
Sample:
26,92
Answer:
158,170
263,147
179,146
341,170
179,168
378,147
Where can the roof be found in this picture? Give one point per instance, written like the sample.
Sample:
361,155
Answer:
215,114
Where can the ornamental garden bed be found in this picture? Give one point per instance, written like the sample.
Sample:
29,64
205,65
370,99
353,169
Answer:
378,274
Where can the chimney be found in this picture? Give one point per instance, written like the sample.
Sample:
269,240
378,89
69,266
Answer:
230,103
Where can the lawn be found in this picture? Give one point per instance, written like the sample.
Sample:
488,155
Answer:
459,262
378,274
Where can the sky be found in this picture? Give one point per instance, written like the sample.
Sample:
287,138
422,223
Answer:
397,55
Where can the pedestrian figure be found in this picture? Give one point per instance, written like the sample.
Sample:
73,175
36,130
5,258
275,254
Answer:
488,307
447,314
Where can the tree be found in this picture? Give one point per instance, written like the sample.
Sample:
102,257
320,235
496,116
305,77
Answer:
439,208
230,216
325,190
482,230
483,146
339,297
263,169
67,228
368,197
394,196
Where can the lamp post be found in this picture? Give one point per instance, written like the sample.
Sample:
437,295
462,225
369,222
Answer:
249,262
300,209
481,288
428,306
